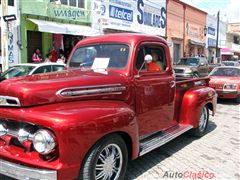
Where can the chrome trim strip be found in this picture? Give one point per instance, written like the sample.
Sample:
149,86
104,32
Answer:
89,90
18,171
18,104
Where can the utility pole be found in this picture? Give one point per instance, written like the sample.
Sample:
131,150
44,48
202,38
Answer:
4,35
217,50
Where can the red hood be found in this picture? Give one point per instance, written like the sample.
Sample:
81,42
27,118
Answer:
224,80
46,88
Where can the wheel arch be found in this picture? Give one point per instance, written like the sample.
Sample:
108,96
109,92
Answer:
210,106
124,135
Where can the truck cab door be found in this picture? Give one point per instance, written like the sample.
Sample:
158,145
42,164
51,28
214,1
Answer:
155,90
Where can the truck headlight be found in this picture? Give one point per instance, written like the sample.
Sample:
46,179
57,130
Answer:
188,71
230,86
44,141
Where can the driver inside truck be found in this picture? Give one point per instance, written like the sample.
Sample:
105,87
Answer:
155,65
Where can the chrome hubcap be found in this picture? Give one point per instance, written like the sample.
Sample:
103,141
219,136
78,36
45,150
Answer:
109,163
203,119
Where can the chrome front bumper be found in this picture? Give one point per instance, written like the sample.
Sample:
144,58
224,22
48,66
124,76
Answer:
227,92
22,172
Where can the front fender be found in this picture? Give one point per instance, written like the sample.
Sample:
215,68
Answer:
193,102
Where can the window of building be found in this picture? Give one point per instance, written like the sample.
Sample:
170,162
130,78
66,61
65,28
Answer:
10,2
64,2
236,40
74,3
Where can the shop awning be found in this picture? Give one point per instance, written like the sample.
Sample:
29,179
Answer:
61,28
226,51
197,43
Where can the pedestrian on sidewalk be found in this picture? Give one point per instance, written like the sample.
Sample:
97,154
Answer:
61,59
37,57
48,57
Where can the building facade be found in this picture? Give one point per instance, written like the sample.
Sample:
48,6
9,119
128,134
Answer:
13,34
233,40
175,28
186,30
211,38
53,24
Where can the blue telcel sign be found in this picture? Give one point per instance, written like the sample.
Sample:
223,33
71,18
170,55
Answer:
120,13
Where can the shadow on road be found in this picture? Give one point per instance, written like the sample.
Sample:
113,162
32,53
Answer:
227,101
141,165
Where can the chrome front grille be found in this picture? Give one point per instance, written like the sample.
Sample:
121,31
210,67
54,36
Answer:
10,130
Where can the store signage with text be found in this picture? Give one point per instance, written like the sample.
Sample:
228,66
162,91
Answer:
151,16
67,13
136,15
120,13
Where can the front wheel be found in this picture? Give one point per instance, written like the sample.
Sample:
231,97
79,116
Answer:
106,160
202,125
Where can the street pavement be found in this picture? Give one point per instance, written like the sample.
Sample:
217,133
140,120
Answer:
214,156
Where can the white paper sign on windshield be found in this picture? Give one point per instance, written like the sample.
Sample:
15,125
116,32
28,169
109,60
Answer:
100,63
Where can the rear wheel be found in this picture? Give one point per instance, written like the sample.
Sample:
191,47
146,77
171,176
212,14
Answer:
106,160
203,122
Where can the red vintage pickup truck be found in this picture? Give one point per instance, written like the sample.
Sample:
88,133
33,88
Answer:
108,107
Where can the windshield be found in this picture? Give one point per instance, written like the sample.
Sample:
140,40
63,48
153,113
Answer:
16,71
188,61
100,56
232,72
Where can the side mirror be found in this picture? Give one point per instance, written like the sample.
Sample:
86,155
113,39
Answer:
148,59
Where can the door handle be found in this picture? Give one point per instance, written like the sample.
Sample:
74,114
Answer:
172,84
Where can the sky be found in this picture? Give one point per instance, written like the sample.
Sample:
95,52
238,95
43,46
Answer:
229,9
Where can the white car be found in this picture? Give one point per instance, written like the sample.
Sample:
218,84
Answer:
30,68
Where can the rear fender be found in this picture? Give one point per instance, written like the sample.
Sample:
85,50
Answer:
193,102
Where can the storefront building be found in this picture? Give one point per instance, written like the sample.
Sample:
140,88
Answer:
57,24
211,38
222,41
143,16
233,40
13,34
175,28
186,30
195,31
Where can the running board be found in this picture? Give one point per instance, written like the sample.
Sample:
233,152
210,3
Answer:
158,139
